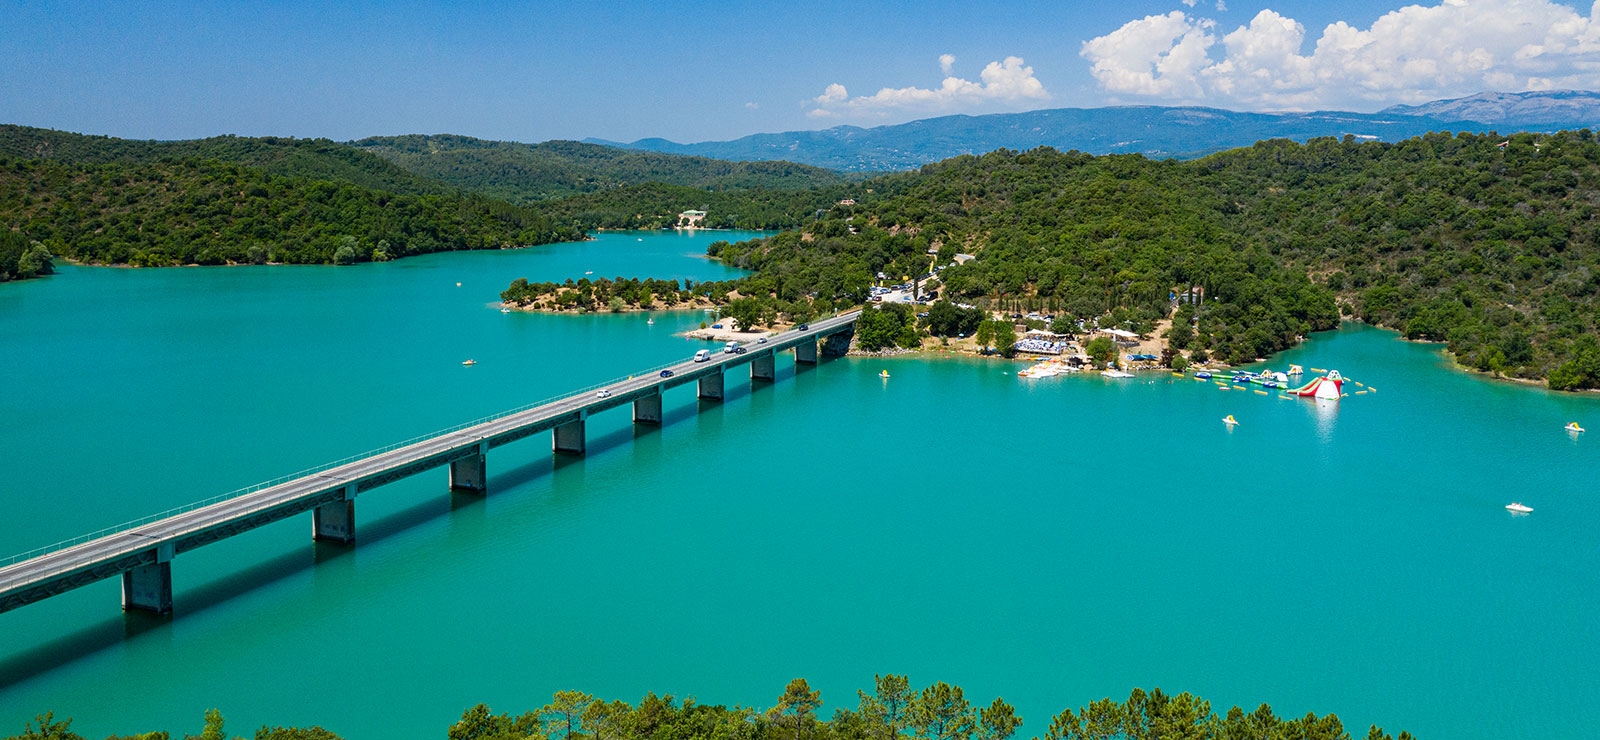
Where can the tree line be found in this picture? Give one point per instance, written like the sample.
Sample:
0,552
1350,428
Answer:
208,212
893,710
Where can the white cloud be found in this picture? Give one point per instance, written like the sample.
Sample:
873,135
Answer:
1190,3
1008,81
753,106
1413,54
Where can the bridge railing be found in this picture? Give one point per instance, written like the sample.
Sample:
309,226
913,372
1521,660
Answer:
322,468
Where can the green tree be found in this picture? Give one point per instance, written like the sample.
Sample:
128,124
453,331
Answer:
48,729
478,723
1005,338
607,720
798,704
214,729
1064,726
35,261
563,716
985,335
746,312
295,733
888,707
941,712
998,721
1102,350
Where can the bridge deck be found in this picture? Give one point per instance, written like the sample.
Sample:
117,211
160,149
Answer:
53,572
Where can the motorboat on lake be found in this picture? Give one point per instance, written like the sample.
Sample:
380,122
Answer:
1230,421
1518,508
1116,374
469,363
1572,426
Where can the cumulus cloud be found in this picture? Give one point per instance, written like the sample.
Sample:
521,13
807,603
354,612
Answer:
752,106
1413,54
1007,82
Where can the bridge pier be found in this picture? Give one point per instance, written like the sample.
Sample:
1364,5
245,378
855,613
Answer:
148,588
647,410
805,353
568,438
335,521
471,473
837,345
764,367
710,386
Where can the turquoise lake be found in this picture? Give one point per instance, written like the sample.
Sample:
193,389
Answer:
1051,541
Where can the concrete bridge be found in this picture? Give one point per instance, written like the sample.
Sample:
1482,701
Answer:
142,552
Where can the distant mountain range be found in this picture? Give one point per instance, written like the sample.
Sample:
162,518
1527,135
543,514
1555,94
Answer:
1561,108
1154,131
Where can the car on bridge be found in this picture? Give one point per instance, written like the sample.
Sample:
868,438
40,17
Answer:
666,373
702,355
739,350
602,393
802,327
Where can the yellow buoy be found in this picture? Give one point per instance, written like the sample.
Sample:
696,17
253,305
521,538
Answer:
1318,370
1361,393
1261,393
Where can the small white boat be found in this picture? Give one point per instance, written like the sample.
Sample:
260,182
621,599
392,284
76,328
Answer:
1519,508
883,373
1573,427
505,310
1116,374
469,363
650,322
1230,421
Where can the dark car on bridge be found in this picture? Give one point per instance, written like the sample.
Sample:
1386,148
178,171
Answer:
666,373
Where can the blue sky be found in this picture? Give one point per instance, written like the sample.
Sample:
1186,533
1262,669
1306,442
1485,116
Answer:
696,71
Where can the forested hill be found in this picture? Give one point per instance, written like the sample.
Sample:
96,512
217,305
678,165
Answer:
318,159
1492,248
524,173
204,211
